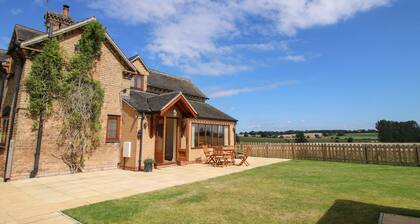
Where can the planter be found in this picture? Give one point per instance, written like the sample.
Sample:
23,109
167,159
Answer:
148,165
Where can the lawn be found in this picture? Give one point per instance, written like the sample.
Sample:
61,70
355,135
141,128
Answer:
289,192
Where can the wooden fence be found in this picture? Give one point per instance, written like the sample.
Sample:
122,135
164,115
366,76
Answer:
374,153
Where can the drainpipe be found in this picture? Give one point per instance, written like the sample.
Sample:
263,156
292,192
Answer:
12,122
141,138
38,145
3,77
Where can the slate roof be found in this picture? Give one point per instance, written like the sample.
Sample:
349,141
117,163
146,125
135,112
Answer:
149,102
207,111
172,83
156,103
138,100
24,33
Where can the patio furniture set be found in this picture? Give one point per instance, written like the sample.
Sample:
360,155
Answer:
220,157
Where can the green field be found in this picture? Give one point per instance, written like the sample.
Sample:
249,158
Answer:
357,137
291,192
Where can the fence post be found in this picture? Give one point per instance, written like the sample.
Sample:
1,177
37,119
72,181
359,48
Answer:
366,155
293,151
266,150
417,151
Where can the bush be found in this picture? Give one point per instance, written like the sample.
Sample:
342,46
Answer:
148,161
300,138
350,139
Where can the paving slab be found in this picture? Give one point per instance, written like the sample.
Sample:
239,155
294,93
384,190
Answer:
41,200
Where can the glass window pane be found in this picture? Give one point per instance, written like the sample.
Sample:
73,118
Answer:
215,131
208,135
132,82
226,135
194,132
220,138
202,135
112,127
138,83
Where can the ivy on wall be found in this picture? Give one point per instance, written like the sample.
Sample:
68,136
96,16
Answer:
80,96
44,83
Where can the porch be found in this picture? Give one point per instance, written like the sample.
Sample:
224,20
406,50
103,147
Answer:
40,200
170,129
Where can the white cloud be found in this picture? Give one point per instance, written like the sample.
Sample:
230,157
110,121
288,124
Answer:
196,35
16,12
224,92
294,58
291,16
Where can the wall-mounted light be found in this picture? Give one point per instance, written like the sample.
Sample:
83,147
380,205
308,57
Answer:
174,113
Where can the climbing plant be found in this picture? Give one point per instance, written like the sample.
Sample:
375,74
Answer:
82,100
44,83
80,97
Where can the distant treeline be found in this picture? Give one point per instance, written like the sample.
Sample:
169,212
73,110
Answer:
396,131
289,132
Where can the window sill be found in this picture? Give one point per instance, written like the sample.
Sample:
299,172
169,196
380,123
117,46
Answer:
112,141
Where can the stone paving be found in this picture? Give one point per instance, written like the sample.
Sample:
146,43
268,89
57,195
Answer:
40,200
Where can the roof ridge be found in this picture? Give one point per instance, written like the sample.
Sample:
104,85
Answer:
29,28
168,93
133,57
170,75
141,91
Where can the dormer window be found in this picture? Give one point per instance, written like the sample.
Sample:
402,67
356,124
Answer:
136,81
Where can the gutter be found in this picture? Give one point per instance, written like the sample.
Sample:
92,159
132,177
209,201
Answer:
12,122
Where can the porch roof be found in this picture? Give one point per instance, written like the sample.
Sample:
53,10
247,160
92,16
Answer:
151,103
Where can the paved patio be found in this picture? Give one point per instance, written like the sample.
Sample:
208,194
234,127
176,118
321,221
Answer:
40,200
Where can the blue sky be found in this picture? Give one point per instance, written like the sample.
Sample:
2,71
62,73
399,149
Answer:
272,64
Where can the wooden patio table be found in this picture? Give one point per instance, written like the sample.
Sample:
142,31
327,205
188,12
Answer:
231,153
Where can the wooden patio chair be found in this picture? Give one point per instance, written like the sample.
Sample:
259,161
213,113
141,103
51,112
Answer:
209,156
244,156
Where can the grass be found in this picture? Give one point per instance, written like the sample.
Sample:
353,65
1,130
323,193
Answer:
290,192
357,138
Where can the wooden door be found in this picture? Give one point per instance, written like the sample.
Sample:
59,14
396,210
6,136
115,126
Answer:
159,141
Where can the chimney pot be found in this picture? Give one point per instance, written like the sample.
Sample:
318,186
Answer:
66,9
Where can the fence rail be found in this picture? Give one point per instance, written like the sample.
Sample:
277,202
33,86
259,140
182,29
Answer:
375,153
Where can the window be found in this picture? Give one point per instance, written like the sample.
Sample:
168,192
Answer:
220,135
194,136
202,135
225,135
208,135
4,125
215,142
136,82
113,128
211,135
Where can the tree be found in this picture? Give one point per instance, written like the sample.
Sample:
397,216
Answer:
43,85
394,131
350,139
300,138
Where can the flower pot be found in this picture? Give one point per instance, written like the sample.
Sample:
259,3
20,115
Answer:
148,167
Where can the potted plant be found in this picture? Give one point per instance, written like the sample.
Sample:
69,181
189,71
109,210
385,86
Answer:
148,165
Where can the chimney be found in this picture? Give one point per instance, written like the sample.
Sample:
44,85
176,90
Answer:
66,9
55,21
